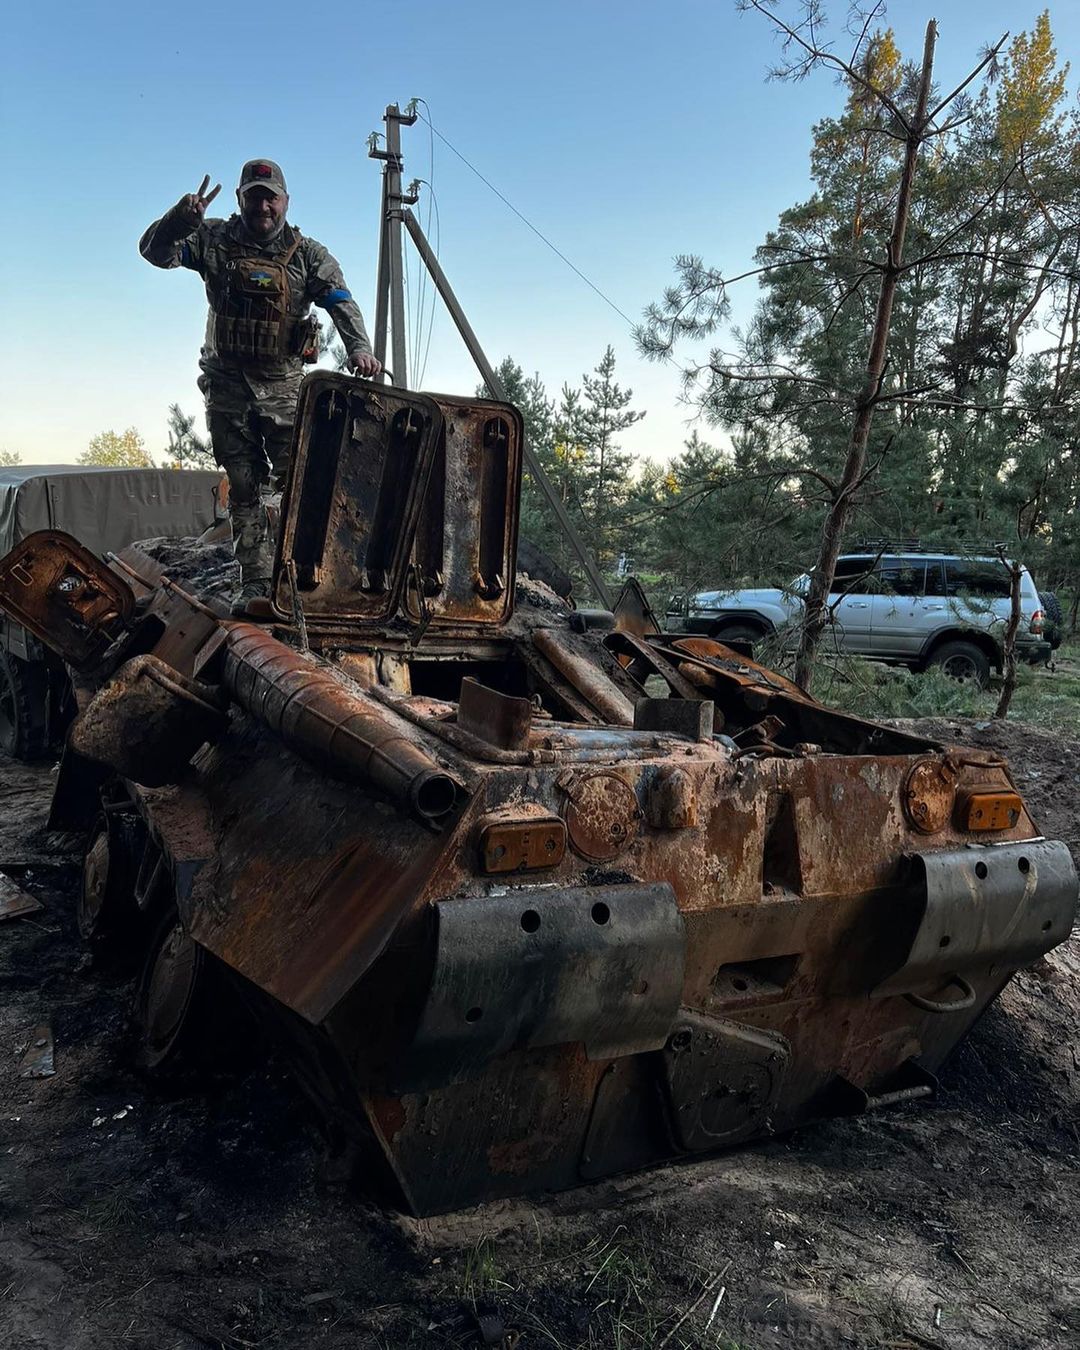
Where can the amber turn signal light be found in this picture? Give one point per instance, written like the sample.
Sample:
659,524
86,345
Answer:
988,809
522,845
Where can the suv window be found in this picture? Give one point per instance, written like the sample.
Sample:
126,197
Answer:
853,576
967,576
900,576
935,576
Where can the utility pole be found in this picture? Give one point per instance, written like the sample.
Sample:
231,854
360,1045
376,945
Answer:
390,303
390,285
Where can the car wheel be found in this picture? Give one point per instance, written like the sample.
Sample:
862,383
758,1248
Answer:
737,632
962,661
24,695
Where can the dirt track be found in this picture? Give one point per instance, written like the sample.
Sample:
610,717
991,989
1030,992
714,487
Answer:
133,1219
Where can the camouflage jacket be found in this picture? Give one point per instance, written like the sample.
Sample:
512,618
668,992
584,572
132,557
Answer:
314,276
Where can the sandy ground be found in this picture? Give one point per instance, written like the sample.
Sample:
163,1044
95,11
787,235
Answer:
132,1218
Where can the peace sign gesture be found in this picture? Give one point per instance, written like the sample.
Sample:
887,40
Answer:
195,203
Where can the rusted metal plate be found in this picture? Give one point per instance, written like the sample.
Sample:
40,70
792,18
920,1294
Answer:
501,719
65,596
466,541
1000,905
599,965
310,876
633,613
361,460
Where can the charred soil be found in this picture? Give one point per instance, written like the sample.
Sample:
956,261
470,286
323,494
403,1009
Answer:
202,1215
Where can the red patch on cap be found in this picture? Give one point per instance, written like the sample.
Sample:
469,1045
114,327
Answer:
261,170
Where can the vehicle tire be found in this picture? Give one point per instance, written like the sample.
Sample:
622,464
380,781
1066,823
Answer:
1054,630
171,999
24,707
737,632
962,661
105,909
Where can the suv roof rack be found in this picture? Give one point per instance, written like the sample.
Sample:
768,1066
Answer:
981,549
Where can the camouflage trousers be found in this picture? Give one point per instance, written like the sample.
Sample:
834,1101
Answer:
251,422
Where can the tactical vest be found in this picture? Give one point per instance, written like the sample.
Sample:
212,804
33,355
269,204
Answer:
252,322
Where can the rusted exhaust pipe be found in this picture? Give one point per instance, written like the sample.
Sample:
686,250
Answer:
340,730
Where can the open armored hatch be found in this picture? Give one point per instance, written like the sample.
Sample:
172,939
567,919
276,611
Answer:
400,504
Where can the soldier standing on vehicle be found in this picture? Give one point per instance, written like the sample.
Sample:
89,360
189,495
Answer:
262,276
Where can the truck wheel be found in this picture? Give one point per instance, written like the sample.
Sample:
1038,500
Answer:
24,701
738,632
962,661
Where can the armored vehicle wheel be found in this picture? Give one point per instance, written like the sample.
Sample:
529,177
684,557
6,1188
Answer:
24,722
963,661
91,906
170,996
106,894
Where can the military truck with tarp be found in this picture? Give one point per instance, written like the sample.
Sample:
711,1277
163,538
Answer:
528,895
107,509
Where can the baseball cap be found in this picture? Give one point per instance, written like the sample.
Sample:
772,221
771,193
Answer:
262,173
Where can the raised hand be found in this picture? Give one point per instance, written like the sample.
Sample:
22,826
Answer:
195,203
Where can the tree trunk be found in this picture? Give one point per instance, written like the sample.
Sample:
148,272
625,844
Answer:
832,534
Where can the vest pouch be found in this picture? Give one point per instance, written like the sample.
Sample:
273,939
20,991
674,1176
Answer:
256,287
250,339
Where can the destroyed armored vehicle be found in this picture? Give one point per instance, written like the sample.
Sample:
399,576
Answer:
530,895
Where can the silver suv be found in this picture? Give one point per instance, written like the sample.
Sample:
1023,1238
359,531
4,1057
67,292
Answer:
911,608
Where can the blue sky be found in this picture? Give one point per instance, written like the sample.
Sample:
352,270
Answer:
627,132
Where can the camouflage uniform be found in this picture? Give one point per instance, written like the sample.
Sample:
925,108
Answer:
251,401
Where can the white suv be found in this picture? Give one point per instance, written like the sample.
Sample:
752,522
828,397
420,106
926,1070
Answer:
912,608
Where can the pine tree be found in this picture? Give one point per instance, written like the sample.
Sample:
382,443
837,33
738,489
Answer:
186,449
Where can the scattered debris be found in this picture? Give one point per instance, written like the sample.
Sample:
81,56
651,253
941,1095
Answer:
716,1306
709,1286
39,1054
14,901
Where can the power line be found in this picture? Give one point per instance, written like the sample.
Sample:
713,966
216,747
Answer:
525,221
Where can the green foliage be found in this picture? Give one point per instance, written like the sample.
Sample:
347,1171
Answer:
576,442
974,437
1046,698
9,458
117,450
186,449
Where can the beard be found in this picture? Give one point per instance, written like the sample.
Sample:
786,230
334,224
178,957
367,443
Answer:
263,228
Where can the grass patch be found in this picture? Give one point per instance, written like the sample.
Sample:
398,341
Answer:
1043,697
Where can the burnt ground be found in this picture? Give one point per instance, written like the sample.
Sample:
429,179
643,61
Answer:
135,1217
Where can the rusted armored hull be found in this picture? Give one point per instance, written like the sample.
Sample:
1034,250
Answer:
520,923
767,963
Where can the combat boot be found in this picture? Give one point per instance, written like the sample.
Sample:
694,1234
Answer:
253,602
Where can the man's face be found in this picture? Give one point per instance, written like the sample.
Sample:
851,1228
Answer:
262,211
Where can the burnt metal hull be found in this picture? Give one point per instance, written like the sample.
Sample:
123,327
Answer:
519,922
